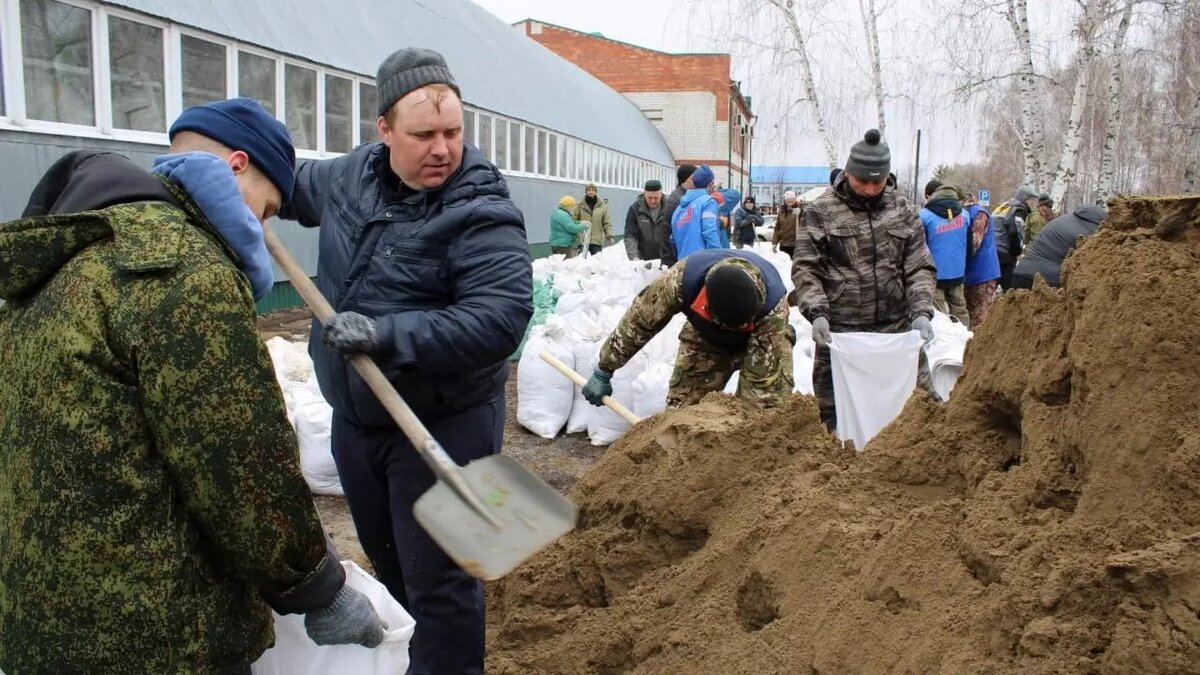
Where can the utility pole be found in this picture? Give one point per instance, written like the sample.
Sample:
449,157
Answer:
917,170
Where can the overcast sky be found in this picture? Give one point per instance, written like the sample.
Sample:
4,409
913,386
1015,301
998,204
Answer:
787,137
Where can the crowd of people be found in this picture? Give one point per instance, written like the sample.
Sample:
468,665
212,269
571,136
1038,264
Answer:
152,507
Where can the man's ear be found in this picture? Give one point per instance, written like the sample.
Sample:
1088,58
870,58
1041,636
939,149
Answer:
382,128
238,161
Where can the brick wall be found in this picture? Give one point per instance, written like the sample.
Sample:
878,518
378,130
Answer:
687,96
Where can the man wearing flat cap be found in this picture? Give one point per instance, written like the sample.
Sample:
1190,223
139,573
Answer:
861,264
424,257
152,509
645,224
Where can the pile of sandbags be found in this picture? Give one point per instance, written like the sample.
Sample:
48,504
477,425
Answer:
311,416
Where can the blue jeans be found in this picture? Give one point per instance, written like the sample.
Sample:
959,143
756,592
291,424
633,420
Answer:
383,477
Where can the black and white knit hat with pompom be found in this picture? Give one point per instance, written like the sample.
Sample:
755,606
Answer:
870,158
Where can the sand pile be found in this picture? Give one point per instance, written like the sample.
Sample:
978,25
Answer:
1046,520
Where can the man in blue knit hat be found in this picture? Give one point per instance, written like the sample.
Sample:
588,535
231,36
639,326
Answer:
696,224
152,509
425,259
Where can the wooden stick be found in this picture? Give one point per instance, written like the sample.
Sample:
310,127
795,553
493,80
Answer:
579,380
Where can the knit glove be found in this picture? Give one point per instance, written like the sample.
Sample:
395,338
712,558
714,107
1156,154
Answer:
599,386
350,333
349,619
921,324
821,333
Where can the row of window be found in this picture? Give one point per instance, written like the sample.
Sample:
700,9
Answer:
150,71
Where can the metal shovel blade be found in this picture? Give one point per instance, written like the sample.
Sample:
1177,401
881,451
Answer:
532,516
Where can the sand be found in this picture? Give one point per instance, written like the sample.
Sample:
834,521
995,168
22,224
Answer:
1045,520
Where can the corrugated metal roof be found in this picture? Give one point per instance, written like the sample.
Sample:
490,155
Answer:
497,67
791,175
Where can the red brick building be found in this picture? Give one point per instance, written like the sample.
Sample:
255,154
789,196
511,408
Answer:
691,98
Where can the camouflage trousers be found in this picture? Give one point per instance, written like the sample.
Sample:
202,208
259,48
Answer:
952,300
979,300
701,368
823,371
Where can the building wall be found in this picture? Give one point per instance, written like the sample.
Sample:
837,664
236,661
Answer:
688,125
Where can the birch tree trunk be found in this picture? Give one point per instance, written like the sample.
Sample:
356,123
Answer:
1033,140
1191,174
1112,122
1074,136
871,27
810,86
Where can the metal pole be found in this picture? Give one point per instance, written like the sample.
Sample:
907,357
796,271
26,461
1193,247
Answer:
917,170
729,160
750,162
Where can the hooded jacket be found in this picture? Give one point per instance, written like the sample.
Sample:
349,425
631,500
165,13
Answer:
696,223
946,234
151,500
565,230
787,224
862,264
1046,254
599,217
446,274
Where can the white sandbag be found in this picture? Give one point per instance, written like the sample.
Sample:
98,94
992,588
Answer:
295,653
544,395
313,419
606,426
731,387
945,353
650,390
873,376
802,366
587,355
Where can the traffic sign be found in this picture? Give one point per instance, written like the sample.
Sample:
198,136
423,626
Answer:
985,197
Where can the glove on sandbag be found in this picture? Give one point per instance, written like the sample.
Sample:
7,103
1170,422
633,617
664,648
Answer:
349,619
821,333
922,325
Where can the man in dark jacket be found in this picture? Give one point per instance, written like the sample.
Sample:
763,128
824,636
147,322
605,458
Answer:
1009,221
684,175
425,259
644,224
1062,235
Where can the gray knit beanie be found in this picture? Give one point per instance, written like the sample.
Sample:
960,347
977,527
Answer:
870,158
407,70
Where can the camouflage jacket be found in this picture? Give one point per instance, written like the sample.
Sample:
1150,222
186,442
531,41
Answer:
762,366
151,500
862,267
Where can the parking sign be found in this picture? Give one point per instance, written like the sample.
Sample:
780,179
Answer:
985,197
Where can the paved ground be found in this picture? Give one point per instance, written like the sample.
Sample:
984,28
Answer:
560,462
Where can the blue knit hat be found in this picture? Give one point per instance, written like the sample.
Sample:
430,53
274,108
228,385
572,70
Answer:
243,124
703,177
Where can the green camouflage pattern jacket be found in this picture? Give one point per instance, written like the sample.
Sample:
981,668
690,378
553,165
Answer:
151,500
766,366
862,267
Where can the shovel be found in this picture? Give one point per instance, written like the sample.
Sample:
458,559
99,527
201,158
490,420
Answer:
578,379
489,516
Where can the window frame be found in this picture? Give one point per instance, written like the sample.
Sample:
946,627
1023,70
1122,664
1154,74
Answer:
171,89
281,92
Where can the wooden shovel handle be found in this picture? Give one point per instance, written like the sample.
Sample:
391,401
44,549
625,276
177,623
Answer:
416,432
579,380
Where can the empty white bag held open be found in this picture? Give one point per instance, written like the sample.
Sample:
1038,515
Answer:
295,654
873,376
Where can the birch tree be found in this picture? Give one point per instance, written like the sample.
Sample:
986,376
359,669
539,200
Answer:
1033,139
1191,174
1092,20
1113,105
866,8
800,50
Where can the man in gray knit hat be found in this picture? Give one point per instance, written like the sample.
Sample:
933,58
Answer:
861,263
425,258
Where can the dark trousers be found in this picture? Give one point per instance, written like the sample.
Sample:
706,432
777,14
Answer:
383,477
789,250
1006,275
595,248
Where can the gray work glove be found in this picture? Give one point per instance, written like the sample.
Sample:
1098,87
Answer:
921,324
350,333
821,333
349,619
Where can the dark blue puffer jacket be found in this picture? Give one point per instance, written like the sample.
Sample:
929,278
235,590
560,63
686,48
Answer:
446,274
